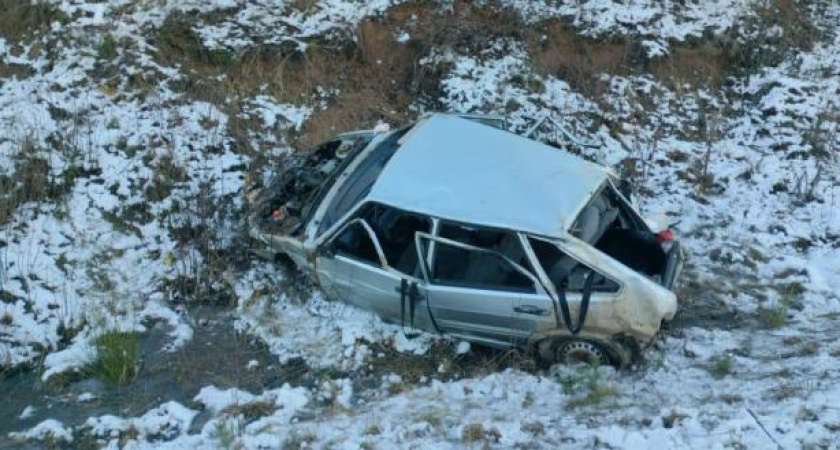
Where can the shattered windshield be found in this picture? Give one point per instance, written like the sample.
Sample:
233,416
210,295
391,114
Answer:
360,182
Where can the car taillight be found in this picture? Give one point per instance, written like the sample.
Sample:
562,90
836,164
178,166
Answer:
666,235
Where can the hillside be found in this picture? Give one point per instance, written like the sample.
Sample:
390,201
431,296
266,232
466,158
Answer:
133,315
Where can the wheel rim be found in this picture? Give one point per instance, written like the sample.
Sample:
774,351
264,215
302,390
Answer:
581,352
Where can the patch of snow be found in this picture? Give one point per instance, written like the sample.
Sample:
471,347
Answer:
217,399
324,333
28,412
49,430
663,20
276,116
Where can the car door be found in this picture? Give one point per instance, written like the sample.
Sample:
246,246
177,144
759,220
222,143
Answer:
475,293
575,285
352,267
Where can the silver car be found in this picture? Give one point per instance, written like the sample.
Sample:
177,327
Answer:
453,225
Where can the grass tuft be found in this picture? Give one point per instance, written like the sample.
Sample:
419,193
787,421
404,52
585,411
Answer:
722,366
117,360
587,387
226,434
475,432
251,411
773,317
107,49
297,441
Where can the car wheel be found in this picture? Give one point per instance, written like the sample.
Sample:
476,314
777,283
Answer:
576,351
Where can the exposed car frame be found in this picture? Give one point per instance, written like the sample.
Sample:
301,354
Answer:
469,270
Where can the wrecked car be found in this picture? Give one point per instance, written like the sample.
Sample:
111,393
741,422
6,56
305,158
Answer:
456,226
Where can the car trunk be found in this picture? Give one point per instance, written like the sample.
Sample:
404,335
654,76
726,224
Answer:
609,224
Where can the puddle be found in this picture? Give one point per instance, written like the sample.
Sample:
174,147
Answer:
215,355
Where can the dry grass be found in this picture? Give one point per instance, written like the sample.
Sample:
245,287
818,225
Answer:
20,19
364,80
29,181
559,51
373,75
251,411
704,65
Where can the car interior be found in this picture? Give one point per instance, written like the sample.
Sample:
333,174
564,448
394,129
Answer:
611,227
481,269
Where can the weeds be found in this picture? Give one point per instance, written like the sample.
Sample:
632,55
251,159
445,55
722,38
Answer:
297,441
178,43
587,386
773,318
107,49
31,180
20,18
432,417
722,366
475,432
777,316
226,434
251,411
117,359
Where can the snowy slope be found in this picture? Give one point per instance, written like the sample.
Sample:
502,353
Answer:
749,168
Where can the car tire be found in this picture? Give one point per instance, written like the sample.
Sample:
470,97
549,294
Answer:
576,351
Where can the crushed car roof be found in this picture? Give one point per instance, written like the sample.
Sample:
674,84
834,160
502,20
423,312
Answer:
456,169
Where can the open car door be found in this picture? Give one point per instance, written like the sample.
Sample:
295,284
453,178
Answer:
352,267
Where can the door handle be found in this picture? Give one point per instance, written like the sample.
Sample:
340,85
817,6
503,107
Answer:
530,309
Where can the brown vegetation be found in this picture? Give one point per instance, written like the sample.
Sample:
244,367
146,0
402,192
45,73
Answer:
19,18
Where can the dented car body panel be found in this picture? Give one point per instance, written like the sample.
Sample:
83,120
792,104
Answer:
453,226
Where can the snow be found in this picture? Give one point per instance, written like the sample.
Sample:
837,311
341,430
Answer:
168,420
659,21
28,412
271,113
71,270
217,399
47,431
324,333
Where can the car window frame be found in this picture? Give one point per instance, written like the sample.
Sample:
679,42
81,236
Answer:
441,222
433,222
379,253
428,260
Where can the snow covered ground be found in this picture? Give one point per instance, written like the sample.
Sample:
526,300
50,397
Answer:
750,169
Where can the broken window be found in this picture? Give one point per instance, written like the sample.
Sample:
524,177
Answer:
361,180
395,230
566,272
502,241
476,268
356,243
